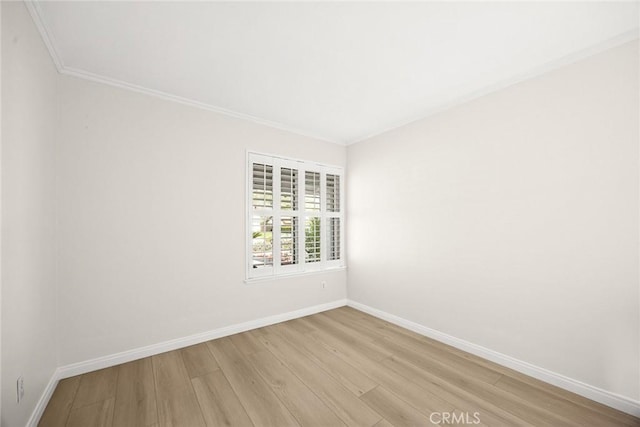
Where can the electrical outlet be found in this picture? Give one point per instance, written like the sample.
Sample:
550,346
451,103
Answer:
20,388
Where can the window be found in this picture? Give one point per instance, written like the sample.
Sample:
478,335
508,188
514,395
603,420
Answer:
295,218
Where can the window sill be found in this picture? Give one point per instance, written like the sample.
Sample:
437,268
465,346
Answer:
289,275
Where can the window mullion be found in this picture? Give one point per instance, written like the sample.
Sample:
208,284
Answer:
302,192
342,208
323,221
277,247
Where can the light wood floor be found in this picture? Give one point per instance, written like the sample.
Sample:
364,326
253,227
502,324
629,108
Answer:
338,368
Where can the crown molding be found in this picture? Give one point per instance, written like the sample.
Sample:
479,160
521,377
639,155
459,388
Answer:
35,11
86,75
503,84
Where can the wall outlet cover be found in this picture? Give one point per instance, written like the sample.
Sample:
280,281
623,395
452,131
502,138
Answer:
20,388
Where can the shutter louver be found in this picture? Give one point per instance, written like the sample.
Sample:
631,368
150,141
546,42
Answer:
262,186
312,191
289,189
333,193
288,240
333,239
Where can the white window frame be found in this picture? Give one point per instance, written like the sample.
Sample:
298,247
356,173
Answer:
276,212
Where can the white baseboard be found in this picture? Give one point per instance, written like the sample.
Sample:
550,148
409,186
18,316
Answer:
605,397
150,350
34,419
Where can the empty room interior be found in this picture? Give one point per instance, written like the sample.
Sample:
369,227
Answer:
319,213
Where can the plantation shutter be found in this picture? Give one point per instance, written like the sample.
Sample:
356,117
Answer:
294,220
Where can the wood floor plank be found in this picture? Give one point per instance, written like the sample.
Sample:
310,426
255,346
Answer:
394,409
398,343
351,410
245,343
346,374
198,360
339,331
563,407
219,403
509,403
438,368
176,399
96,386
383,423
303,403
377,324
520,408
384,328
301,325
484,390
60,404
413,394
135,404
260,402
619,417
97,414
457,396
462,365
377,328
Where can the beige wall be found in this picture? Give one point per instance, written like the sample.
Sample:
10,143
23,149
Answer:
29,89
151,214
512,221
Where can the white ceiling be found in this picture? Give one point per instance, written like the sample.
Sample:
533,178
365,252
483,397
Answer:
335,70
